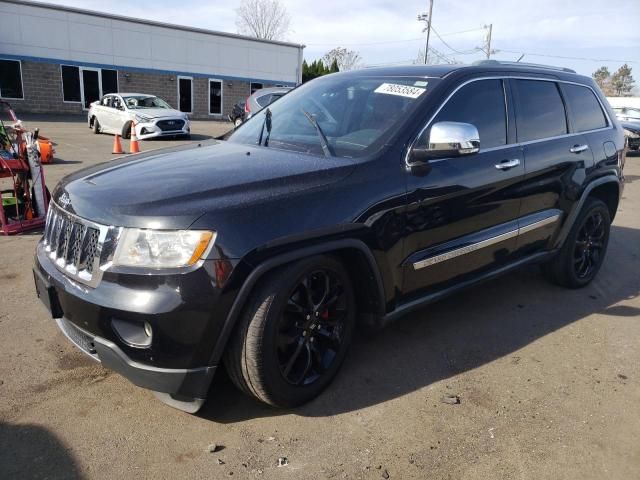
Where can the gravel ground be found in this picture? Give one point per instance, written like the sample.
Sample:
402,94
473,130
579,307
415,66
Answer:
548,382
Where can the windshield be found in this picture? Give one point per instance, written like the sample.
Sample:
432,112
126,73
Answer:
138,102
355,114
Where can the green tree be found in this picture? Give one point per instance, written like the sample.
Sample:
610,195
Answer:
334,66
602,76
622,82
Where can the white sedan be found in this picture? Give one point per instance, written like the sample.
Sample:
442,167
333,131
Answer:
153,117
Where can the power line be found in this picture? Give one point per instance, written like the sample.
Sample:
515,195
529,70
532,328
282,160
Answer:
568,58
383,42
445,43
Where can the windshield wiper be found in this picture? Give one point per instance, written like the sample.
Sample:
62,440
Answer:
267,123
326,148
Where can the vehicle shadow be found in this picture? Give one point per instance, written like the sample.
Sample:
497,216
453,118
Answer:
30,451
62,161
194,138
492,321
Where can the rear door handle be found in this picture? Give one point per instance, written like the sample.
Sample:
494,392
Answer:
507,164
579,148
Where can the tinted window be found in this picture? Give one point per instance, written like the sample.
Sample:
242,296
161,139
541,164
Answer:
184,95
215,97
539,110
480,103
109,81
70,83
10,79
264,100
586,113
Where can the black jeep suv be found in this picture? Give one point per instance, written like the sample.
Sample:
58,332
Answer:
354,199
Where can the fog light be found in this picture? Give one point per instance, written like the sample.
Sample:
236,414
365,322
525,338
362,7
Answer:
147,329
135,334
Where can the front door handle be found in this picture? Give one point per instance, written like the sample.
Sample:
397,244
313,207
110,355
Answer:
507,164
578,148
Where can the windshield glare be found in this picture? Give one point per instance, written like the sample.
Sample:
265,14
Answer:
135,103
356,114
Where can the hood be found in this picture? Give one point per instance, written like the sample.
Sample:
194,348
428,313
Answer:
171,188
631,125
157,112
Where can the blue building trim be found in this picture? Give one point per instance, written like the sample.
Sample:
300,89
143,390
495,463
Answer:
143,70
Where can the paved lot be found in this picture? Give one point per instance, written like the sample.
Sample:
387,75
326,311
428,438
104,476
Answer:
549,382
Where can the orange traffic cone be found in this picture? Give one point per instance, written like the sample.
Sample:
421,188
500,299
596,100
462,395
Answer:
134,147
117,146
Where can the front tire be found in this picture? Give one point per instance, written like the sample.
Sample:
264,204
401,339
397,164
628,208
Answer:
583,252
294,333
96,126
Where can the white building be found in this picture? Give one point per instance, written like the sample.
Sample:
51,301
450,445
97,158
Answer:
60,59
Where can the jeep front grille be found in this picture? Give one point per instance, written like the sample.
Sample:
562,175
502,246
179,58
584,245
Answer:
76,246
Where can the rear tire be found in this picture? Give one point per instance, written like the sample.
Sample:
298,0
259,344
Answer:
126,130
584,249
288,344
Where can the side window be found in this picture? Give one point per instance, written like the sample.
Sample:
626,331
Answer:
539,110
116,102
480,103
106,101
264,100
586,112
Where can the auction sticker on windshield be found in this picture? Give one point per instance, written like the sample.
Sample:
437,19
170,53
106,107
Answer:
400,90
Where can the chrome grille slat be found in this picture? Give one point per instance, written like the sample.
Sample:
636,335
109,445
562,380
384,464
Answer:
76,245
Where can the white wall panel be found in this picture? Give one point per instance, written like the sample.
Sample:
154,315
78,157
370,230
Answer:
63,35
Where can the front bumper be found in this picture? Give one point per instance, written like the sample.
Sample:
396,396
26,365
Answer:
180,308
189,383
162,128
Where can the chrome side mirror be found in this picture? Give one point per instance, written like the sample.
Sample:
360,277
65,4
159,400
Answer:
447,139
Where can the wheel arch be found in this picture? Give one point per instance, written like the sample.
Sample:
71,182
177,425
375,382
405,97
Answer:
359,263
605,188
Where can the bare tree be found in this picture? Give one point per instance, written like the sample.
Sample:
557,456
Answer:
346,59
265,19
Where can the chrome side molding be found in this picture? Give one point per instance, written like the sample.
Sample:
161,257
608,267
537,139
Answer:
485,243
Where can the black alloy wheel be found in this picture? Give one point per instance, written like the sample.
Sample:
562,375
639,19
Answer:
589,245
310,330
580,257
294,333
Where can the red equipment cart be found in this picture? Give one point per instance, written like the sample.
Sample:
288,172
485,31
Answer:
25,203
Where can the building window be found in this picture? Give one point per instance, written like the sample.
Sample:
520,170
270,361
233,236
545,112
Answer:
70,83
215,97
109,81
255,86
185,94
11,79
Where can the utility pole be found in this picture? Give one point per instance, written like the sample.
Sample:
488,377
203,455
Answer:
427,18
489,40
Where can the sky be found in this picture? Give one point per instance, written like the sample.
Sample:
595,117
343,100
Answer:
590,33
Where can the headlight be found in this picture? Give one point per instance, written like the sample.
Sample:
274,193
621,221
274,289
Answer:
161,248
631,134
141,119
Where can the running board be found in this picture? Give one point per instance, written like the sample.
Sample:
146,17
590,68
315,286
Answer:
418,303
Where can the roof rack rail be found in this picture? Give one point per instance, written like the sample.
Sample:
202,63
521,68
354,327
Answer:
524,64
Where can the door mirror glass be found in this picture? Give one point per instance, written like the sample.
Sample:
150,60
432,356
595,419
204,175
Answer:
446,139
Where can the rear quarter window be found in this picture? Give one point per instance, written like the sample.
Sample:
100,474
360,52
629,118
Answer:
584,109
539,110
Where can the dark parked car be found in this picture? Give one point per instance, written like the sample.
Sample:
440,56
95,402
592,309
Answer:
358,196
237,114
263,98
